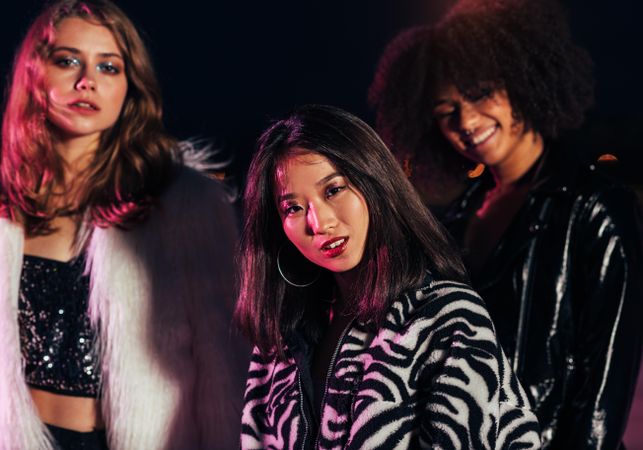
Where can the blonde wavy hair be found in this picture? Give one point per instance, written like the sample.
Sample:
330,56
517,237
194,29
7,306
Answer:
134,161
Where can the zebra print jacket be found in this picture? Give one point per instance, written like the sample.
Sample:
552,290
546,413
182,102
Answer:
433,376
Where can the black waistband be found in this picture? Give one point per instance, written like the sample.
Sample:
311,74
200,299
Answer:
78,440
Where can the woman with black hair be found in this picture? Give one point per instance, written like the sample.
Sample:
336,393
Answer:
553,248
366,333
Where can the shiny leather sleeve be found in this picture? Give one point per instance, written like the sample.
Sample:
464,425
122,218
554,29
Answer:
610,328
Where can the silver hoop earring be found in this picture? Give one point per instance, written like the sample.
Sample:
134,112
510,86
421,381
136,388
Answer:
287,280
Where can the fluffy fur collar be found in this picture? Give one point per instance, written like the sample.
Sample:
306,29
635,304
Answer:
161,298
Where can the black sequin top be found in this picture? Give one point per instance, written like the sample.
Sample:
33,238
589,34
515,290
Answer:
56,339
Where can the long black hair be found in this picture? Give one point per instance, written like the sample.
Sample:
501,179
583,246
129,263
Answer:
403,241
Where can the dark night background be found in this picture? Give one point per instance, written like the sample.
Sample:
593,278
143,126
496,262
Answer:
227,68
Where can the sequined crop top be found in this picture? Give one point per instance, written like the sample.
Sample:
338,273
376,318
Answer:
56,339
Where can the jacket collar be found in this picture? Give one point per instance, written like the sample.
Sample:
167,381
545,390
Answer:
555,175
400,312
556,172
559,171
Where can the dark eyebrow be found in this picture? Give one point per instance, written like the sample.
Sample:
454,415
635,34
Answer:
324,180
284,197
75,51
327,178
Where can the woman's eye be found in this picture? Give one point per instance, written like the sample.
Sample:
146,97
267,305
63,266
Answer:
108,67
334,190
444,109
443,114
67,61
289,210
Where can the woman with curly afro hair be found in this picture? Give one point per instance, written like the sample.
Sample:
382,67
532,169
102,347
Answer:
553,247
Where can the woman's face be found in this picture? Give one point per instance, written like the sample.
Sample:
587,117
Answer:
85,79
482,128
321,213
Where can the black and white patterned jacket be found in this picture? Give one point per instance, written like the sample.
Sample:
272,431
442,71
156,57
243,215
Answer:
433,376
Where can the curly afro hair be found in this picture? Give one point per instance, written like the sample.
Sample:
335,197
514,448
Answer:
521,46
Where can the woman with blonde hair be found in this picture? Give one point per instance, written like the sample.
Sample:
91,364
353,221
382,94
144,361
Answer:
115,256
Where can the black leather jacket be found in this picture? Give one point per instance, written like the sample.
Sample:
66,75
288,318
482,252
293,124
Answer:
564,288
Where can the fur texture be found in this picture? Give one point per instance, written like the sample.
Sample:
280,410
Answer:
161,297
20,427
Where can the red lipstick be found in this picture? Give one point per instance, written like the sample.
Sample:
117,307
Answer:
334,247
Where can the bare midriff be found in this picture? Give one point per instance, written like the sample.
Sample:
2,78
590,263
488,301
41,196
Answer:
64,411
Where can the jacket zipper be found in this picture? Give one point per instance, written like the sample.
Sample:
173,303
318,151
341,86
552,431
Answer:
331,366
525,304
303,412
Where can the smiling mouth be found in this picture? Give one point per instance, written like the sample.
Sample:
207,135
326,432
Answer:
334,247
480,138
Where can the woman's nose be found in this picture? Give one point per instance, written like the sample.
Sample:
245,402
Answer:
321,218
468,118
86,82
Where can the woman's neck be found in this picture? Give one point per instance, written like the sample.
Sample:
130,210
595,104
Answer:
345,286
76,153
519,160
345,294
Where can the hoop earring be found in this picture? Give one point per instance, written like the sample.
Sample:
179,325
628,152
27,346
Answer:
287,280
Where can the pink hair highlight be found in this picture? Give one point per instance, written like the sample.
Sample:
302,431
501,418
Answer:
134,161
